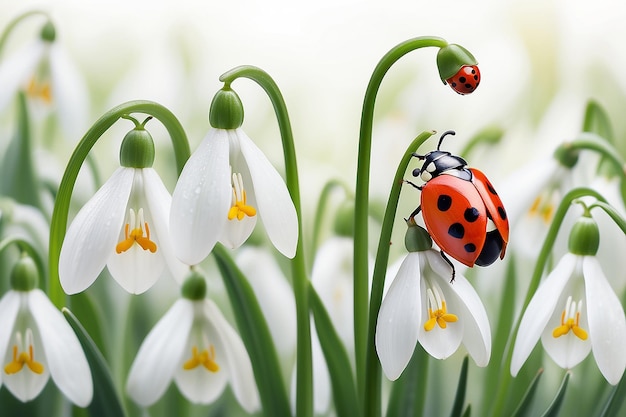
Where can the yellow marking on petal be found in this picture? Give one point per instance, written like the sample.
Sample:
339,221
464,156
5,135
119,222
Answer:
139,235
240,207
570,320
205,358
23,358
40,90
543,206
439,315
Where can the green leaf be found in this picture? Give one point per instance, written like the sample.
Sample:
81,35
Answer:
523,408
337,360
615,401
555,407
459,398
255,335
408,393
468,411
83,306
106,402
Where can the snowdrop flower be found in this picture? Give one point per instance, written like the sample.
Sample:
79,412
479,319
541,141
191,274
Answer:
423,304
195,346
226,184
574,311
123,226
36,343
47,75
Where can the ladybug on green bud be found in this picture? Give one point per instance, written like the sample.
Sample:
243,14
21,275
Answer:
458,68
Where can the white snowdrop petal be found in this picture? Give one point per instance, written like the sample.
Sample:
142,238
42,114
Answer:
9,306
16,70
201,199
93,233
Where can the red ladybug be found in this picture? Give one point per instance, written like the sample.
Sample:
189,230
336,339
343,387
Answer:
461,209
465,80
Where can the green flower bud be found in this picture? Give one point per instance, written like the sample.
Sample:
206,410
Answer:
584,239
137,150
566,156
226,110
458,68
344,219
48,32
194,287
417,238
24,276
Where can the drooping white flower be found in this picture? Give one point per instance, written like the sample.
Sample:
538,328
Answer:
195,346
226,183
45,72
125,227
575,311
423,305
36,343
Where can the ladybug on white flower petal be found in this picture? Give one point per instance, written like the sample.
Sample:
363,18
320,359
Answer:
461,209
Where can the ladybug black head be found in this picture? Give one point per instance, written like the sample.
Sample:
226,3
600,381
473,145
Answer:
437,162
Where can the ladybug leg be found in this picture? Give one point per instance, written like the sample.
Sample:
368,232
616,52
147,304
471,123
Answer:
445,258
414,213
412,184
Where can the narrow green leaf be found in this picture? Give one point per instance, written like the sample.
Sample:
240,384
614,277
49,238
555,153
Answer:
255,335
106,402
555,407
523,408
337,360
82,305
459,398
614,403
408,393
468,411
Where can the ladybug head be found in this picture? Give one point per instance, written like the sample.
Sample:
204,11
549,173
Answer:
437,162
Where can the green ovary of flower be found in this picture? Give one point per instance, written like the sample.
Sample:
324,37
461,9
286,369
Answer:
437,311
205,358
570,320
239,208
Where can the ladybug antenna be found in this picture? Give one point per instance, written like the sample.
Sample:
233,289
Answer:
446,133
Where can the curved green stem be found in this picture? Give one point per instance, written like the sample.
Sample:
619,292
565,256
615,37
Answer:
16,21
58,223
362,197
372,400
26,246
304,387
613,214
329,187
542,259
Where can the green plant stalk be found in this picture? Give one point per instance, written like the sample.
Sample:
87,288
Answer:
542,259
16,21
362,199
304,377
372,393
459,398
555,406
58,223
321,210
613,214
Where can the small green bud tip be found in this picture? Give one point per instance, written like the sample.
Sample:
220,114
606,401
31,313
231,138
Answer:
24,276
48,32
194,287
458,68
566,156
137,149
226,110
584,239
417,238
344,219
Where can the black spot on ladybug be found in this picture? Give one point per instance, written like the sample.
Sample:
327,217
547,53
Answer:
453,84
491,189
462,79
456,230
471,214
475,77
502,213
470,247
468,86
473,71
444,202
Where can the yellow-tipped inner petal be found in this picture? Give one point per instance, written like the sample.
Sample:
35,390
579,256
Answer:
139,235
543,207
240,207
437,311
205,358
40,90
23,358
570,320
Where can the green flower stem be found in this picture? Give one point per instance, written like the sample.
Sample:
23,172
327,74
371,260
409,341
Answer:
542,259
372,385
26,247
58,224
613,214
16,21
362,197
304,382
330,186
